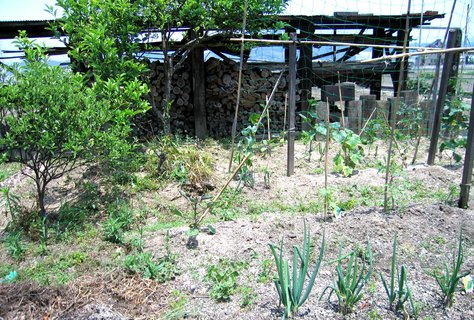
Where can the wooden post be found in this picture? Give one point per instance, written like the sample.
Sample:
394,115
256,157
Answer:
453,72
305,72
467,170
291,106
199,92
443,87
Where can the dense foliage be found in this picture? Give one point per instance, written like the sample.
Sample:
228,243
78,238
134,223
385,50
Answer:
107,38
54,121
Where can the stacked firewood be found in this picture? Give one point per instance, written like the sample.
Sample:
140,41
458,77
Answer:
221,95
182,114
257,84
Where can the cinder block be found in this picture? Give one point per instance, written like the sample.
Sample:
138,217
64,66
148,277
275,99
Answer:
331,92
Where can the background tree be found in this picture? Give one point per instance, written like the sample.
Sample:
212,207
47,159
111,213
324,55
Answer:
108,36
55,121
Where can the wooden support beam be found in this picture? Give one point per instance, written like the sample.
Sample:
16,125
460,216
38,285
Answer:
453,72
468,161
443,87
305,75
199,92
291,106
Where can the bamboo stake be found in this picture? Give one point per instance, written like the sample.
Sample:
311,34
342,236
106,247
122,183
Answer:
326,162
419,53
268,119
328,43
340,100
367,122
236,115
394,117
286,107
419,134
206,212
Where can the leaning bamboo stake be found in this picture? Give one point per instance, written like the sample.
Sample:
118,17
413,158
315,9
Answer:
218,195
340,100
236,115
367,122
419,134
268,120
326,200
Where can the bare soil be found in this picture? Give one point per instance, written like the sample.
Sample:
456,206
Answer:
427,230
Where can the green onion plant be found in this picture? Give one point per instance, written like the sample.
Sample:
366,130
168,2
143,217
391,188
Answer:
403,293
448,281
349,282
291,289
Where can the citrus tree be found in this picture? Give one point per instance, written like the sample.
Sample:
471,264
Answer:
55,121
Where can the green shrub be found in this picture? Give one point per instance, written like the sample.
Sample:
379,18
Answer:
120,220
55,122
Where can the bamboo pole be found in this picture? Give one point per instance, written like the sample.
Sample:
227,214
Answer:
291,108
236,115
326,159
206,212
328,43
419,53
340,100
394,117
467,170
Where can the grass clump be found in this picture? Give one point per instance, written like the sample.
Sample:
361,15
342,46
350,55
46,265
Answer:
56,270
144,264
182,161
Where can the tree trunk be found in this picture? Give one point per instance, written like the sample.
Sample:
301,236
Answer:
41,191
168,66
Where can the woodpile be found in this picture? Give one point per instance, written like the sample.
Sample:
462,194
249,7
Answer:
182,112
257,84
221,95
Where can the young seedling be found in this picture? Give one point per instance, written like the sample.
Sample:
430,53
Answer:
291,289
349,284
403,293
448,281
